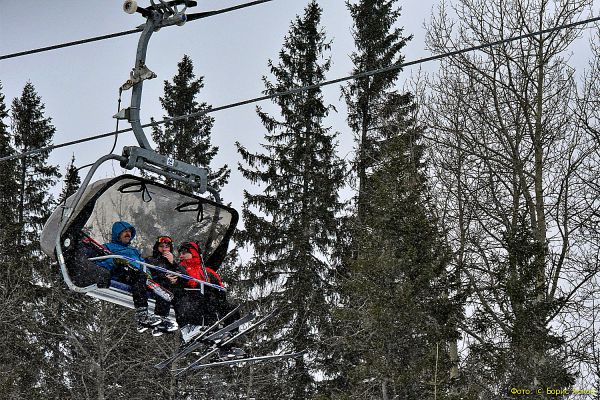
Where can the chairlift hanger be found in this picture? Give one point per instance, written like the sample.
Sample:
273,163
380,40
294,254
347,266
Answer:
141,199
213,221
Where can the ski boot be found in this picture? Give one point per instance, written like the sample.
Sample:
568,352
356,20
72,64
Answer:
145,320
189,332
166,325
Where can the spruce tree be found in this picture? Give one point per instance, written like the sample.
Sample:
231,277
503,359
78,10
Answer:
33,130
394,318
378,45
72,313
8,182
291,224
72,181
10,299
32,279
403,324
188,140
370,101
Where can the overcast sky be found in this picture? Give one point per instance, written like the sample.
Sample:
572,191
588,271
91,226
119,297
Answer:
79,85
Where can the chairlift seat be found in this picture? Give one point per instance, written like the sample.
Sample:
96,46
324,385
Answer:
119,293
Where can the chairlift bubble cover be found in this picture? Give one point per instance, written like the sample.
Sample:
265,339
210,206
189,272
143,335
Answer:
153,209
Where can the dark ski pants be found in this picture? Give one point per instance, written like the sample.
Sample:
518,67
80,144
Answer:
162,306
194,308
137,280
86,273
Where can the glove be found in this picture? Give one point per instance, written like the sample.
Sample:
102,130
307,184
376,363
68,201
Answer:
119,262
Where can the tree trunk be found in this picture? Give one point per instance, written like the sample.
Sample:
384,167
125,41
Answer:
384,390
540,229
22,200
362,163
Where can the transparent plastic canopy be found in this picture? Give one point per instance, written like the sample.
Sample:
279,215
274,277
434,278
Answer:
153,209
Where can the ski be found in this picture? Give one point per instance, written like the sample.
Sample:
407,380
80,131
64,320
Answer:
247,360
195,342
133,262
159,290
235,324
216,348
203,340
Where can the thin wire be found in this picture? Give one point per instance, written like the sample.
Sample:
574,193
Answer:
193,17
68,44
115,132
117,126
124,33
310,87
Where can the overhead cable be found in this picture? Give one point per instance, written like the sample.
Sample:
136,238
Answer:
68,44
129,32
311,87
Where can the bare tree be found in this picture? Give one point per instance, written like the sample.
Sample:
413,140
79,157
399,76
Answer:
588,311
512,172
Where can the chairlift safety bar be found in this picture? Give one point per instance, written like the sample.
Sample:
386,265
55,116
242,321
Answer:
157,268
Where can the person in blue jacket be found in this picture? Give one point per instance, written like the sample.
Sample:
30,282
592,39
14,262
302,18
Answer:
122,235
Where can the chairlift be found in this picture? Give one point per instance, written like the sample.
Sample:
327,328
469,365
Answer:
153,208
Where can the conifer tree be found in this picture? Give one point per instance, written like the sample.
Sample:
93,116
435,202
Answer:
72,181
290,225
378,44
10,299
33,130
188,140
370,100
8,181
394,291
72,313
401,329
31,278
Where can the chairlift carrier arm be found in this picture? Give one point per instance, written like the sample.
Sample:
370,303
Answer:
143,157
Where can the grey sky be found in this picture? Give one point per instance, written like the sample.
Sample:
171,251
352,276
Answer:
79,85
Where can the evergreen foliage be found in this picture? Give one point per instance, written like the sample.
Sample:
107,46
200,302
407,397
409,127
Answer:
72,181
394,319
8,181
32,130
291,225
398,308
518,205
28,277
517,363
378,44
9,298
188,139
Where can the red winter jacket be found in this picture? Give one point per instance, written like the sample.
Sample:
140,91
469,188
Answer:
193,268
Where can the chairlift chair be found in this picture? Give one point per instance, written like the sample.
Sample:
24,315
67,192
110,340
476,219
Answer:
153,208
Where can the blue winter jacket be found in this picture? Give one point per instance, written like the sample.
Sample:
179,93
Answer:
116,247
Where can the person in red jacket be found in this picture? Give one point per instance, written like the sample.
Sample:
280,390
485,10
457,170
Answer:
189,257
193,309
